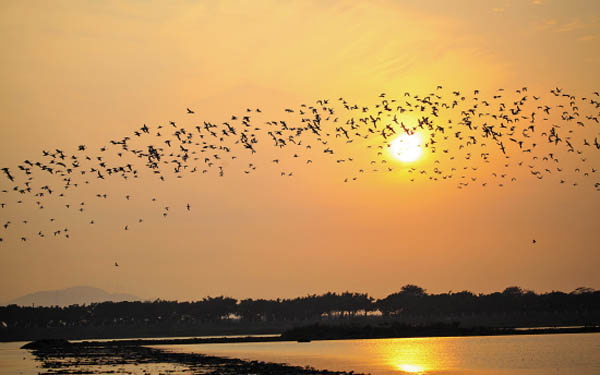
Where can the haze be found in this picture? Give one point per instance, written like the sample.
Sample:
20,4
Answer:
91,71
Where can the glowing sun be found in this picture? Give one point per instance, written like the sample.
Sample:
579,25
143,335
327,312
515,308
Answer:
407,147
411,369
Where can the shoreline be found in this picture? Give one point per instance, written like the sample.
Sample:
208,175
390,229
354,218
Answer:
305,338
58,356
63,357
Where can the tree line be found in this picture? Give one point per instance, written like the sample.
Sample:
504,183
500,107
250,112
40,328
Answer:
411,300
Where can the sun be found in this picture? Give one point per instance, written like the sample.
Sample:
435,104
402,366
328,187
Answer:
411,369
407,147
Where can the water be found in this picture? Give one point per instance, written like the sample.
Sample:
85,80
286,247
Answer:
14,361
491,355
175,338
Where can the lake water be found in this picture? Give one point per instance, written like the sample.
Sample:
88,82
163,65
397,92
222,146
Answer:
15,361
493,355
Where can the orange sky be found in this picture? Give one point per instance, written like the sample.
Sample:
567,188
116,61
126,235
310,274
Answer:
88,72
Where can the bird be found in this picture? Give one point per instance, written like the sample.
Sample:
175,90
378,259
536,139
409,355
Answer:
7,173
486,129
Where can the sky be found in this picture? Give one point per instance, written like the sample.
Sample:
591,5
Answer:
87,72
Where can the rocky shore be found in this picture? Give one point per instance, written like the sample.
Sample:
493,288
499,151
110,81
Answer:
115,357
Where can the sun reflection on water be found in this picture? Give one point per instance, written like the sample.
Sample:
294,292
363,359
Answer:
410,356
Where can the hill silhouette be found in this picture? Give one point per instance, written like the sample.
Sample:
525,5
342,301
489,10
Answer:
77,295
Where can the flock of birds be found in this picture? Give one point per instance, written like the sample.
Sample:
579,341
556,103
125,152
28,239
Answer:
553,137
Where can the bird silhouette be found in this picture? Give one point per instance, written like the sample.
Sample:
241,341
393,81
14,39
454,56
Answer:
510,132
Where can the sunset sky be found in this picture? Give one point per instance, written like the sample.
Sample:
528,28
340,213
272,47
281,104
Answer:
87,72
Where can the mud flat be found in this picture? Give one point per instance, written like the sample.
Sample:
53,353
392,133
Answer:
64,357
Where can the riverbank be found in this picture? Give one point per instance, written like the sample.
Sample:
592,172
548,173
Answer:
327,332
397,330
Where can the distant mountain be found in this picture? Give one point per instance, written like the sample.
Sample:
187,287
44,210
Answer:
70,296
